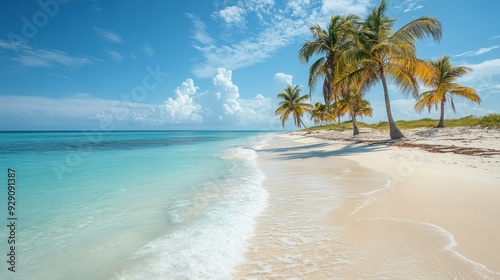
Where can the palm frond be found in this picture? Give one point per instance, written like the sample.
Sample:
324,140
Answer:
418,29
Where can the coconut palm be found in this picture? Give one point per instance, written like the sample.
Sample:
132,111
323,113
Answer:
444,87
320,113
355,105
293,104
383,54
330,44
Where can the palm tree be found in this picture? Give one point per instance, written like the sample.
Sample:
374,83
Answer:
320,113
356,106
384,54
444,87
293,104
330,44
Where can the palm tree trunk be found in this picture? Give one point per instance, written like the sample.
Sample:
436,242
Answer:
308,131
441,119
394,131
355,127
354,123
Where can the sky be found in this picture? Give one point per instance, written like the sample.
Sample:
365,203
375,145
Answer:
211,64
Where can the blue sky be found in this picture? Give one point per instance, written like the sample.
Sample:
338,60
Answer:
95,64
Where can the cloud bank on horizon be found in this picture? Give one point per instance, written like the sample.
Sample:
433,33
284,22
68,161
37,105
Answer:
188,107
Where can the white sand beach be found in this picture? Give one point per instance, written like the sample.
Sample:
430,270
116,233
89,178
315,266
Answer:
344,207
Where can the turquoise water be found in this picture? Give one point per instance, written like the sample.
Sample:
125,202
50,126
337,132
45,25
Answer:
130,205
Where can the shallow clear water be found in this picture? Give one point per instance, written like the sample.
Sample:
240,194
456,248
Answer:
131,205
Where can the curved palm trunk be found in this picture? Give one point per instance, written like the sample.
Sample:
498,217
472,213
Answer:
355,127
394,131
308,131
354,123
441,119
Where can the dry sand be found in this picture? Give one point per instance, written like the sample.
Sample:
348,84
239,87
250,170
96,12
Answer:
343,207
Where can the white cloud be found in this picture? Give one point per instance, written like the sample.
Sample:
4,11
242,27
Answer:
182,109
148,50
200,33
409,5
229,93
257,111
359,7
282,79
243,112
413,8
495,37
484,79
482,72
50,58
45,58
10,45
223,79
109,35
478,52
279,24
77,108
232,15
221,108
116,56
299,7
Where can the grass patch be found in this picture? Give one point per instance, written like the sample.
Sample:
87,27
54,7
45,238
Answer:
490,121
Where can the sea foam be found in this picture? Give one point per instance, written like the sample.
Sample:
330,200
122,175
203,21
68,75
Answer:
213,241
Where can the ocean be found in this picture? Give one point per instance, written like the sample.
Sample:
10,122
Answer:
128,204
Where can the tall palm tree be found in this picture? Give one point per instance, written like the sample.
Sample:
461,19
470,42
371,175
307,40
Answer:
384,54
444,87
356,106
330,44
293,104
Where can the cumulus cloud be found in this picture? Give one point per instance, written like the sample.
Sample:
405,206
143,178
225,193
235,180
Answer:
220,106
232,15
182,108
243,112
282,79
224,79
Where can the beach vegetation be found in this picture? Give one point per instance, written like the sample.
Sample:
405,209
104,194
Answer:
355,105
329,44
444,87
491,121
383,54
322,114
293,104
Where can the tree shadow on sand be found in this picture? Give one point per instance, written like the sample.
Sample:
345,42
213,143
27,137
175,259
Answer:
302,152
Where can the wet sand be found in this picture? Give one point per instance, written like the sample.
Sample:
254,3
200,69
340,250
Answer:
351,209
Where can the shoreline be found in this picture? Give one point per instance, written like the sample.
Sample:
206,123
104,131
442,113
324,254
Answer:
347,202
